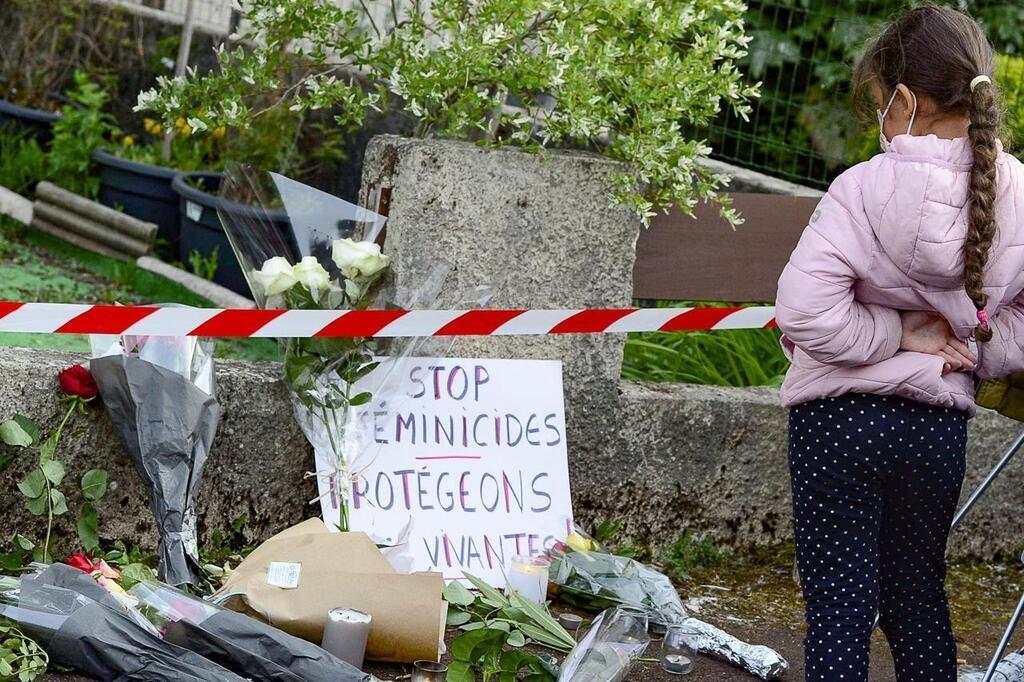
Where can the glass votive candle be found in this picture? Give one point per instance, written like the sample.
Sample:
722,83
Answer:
529,577
570,621
429,671
678,655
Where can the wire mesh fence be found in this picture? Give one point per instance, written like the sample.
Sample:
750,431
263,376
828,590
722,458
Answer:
803,127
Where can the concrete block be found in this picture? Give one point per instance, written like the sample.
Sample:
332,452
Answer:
538,228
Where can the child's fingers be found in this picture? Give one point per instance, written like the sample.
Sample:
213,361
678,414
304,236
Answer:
965,361
961,348
954,363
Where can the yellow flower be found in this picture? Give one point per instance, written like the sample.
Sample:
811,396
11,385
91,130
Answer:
220,132
152,126
579,543
128,141
181,124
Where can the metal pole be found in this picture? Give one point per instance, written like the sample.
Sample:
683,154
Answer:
998,656
1017,444
184,51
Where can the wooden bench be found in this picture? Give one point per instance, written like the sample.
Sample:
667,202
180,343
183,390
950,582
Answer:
680,258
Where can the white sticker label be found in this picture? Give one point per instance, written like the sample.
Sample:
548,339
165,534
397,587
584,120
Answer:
284,574
194,211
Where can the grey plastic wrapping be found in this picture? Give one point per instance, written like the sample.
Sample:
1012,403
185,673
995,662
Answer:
239,643
598,657
592,579
102,640
159,393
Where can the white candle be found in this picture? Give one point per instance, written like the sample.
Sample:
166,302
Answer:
345,634
529,577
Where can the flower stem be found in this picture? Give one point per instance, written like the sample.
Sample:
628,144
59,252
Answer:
55,436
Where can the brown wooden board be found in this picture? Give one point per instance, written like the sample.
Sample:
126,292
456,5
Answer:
680,258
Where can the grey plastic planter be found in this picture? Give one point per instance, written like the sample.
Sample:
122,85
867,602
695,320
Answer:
37,122
202,231
142,191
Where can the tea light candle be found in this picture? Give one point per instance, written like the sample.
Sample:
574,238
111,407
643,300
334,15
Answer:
529,577
570,621
345,635
429,671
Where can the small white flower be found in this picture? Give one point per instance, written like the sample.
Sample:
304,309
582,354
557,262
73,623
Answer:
311,274
360,261
197,124
276,276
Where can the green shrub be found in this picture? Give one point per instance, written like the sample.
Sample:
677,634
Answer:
688,554
79,132
1010,77
22,161
619,77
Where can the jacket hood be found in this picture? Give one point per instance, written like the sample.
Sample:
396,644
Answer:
916,199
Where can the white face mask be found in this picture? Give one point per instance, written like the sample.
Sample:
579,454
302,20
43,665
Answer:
882,140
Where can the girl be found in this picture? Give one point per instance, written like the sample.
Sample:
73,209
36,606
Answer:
909,257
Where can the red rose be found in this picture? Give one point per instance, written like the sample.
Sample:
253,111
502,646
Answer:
81,561
77,381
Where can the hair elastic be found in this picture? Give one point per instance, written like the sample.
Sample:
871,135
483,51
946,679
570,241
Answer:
983,320
978,80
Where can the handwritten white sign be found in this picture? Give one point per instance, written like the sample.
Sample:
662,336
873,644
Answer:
462,461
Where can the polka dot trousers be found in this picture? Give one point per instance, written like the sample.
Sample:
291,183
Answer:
875,484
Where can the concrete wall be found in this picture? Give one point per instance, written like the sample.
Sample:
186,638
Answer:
660,458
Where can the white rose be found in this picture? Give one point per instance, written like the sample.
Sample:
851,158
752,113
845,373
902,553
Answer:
311,274
276,276
359,260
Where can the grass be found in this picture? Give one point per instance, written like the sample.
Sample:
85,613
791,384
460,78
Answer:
688,555
739,357
37,267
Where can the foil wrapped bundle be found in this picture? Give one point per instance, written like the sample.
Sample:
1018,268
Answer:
756,659
1010,669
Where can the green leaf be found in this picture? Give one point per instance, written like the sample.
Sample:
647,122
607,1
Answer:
456,593
542,617
460,671
456,618
49,447
53,470
37,505
88,528
94,484
360,399
33,485
489,593
463,647
13,433
58,502
516,638
23,542
136,573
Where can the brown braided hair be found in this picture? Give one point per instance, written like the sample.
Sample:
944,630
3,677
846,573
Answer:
938,51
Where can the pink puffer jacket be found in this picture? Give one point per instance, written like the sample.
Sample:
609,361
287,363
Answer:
888,237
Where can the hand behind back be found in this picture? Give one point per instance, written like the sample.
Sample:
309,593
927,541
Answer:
928,332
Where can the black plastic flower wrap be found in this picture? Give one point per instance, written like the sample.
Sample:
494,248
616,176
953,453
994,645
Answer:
83,627
240,643
303,249
160,395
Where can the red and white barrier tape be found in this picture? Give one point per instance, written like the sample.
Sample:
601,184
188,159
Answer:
66,318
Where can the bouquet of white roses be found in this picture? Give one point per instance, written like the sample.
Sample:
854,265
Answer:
297,250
